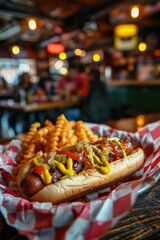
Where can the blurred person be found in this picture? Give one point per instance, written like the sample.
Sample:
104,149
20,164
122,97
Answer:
44,92
3,85
23,94
46,84
96,106
72,84
25,89
75,83
85,79
48,87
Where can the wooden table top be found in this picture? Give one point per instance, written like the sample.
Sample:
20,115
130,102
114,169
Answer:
39,106
142,221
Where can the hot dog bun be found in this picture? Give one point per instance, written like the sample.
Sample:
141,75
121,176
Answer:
86,181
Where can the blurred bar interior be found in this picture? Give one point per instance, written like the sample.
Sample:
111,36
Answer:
120,39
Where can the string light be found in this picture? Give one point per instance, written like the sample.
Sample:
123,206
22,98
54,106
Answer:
142,46
96,57
126,30
140,121
15,50
63,56
64,70
78,52
135,12
32,24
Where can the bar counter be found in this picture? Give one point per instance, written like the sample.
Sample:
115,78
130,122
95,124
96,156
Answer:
134,83
136,96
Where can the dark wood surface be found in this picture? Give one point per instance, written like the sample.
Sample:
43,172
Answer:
141,222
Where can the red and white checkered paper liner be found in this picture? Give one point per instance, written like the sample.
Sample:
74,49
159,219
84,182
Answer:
88,219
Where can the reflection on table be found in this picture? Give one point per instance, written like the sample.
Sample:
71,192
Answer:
135,123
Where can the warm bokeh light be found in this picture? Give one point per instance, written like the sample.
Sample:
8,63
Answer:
126,30
135,12
55,48
63,56
64,70
157,52
96,57
140,121
15,50
77,52
142,46
32,24
83,53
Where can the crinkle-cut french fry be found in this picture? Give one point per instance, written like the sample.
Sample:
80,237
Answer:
52,137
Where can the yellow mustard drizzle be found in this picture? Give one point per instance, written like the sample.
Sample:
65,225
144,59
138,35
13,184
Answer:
124,153
106,166
45,176
96,149
68,170
96,158
105,169
101,160
91,157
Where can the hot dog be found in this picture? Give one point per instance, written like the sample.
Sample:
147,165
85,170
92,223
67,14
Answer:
77,170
